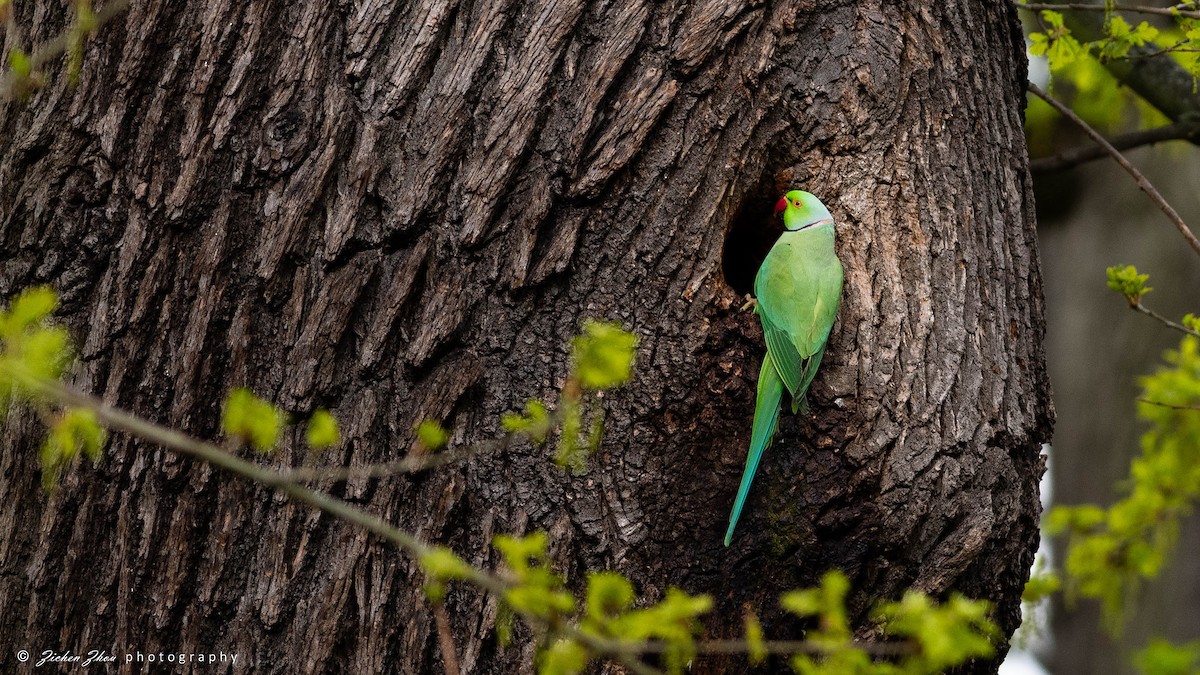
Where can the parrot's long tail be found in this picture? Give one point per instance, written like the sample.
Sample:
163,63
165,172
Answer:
766,418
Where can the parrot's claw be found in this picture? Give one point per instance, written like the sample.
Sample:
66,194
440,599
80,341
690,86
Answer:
751,302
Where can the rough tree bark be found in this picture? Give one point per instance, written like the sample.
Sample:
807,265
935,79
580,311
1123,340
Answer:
402,210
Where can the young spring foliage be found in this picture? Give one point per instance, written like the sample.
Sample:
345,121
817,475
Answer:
1080,76
75,431
432,435
601,359
610,620
1124,279
931,637
602,356
1111,550
1163,658
252,420
34,350
322,431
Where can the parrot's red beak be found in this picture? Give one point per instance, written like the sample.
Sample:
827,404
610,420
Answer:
780,205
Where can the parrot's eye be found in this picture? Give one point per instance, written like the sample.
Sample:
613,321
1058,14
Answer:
796,203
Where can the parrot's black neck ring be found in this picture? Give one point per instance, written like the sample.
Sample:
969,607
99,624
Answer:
818,222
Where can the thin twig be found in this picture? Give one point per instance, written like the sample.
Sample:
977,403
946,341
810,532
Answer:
185,445
1141,180
411,464
1169,405
445,638
1135,9
58,46
1169,323
1075,156
881,649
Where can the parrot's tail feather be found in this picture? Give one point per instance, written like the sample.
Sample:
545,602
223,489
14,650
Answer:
766,418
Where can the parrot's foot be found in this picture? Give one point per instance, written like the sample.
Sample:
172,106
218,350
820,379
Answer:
751,302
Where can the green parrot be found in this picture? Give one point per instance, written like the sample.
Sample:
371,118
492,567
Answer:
798,289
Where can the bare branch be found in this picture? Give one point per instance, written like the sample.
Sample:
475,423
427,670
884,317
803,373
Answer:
1133,9
1141,180
410,464
1076,156
1169,405
880,649
1167,322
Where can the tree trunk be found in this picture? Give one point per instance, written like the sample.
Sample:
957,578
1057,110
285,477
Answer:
403,210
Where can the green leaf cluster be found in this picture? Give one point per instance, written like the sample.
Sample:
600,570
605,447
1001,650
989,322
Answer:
432,436
1124,279
252,420
945,635
75,431
322,431
608,614
34,351
833,637
1164,658
1041,586
537,590
1121,36
673,621
1056,42
1081,78
1111,550
933,637
534,422
31,347
442,565
563,657
602,357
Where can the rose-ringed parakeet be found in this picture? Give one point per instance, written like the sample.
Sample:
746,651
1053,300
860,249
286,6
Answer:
798,288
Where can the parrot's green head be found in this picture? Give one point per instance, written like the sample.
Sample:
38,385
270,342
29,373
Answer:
802,210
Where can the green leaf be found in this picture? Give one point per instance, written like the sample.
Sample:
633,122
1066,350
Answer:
1164,658
76,431
1041,586
603,355
535,423
443,564
1060,48
756,646
571,453
946,635
431,435
520,553
322,430
252,420
563,657
608,593
19,64
85,16
537,590
504,624
30,307
673,621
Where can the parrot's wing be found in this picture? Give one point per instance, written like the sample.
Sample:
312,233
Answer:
798,297
784,354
